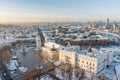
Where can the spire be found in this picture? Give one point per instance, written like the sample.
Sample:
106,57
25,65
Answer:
41,36
89,52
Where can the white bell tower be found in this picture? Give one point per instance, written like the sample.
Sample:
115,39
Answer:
38,41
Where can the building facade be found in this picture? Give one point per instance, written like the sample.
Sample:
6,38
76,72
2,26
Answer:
51,50
92,61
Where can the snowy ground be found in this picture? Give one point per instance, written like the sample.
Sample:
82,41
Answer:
110,72
28,59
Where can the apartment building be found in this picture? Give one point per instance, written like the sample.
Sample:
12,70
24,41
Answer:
91,60
51,50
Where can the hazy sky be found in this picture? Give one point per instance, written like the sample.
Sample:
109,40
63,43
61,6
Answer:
58,10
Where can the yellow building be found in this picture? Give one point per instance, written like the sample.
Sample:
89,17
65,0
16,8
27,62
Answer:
67,57
51,50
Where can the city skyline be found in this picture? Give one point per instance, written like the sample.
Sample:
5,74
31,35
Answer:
58,11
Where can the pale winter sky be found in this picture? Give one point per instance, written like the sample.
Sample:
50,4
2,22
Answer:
58,10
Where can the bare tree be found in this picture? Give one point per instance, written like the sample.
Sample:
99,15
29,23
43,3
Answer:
92,77
6,53
69,70
102,77
62,68
77,72
82,74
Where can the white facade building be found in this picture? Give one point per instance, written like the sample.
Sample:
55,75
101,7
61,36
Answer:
51,50
67,57
93,60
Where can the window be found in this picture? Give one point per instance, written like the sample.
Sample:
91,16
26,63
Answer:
87,62
69,57
90,63
82,61
76,59
90,67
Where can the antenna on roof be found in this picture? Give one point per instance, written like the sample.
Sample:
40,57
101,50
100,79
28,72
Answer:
89,49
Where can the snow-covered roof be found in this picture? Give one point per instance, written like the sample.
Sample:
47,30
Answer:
118,70
51,45
12,65
110,34
14,57
23,69
110,49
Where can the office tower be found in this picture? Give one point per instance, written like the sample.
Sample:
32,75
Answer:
107,23
114,26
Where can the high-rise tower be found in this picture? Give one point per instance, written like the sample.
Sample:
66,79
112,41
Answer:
107,21
114,26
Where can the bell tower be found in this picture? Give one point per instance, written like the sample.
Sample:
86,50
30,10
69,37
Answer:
38,41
